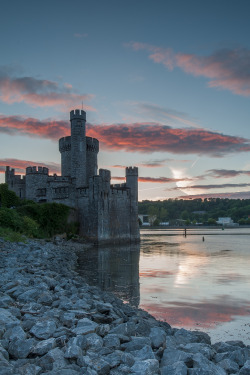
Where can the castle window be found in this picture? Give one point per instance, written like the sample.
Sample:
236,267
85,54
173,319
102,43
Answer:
41,192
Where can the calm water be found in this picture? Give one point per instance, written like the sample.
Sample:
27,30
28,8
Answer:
188,282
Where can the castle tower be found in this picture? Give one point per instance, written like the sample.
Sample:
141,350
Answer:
132,183
92,145
78,147
65,150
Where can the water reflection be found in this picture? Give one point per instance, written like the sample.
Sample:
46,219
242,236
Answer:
185,281
113,269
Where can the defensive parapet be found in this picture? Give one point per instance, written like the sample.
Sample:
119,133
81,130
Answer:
65,150
78,147
37,171
77,114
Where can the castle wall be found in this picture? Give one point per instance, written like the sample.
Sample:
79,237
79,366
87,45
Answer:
132,184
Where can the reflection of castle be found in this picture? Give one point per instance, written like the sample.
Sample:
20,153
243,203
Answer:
113,269
106,212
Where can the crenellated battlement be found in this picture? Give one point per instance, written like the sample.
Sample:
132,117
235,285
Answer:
132,171
92,144
65,144
37,170
77,114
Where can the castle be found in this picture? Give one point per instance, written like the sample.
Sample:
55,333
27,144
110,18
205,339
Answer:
106,213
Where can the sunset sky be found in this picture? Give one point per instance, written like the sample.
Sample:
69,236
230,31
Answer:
165,84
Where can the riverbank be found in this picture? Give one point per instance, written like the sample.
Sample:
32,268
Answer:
52,322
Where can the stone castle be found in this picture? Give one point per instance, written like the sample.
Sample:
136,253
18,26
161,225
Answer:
106,213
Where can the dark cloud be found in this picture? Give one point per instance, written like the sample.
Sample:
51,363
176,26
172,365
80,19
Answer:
214,186
226,173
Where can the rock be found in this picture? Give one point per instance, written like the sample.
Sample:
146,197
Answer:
158,337
200,361
21,348
126,329
229,366
43,329
245,370
136,343
179,368
53,360
85,326
171,356
15,333
146,367
145,353
42,347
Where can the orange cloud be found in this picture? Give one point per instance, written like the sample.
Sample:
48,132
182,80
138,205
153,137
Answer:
226,68
21,165
133,137
20,125
141,137
39,93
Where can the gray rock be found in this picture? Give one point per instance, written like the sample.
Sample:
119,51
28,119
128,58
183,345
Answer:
158,337
127,359
111,341
229,366
85,326
43,347
136,343
245,370
198,347
73,351
93,341
126,329
15,333
53,360
199,361
171,356
29,295
43,329
146,367
21,348
6,317
29,369
179,368
145,353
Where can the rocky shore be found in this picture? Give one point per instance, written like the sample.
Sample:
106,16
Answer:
52,322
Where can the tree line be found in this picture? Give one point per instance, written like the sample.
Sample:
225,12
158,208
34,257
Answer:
196,211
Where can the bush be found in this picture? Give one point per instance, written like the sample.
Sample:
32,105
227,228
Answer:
7,197
29,227
9,218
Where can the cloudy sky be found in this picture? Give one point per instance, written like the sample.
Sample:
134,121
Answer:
165,84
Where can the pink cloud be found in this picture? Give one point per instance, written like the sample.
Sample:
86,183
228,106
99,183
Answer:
21,165
39,93
133,137
226,69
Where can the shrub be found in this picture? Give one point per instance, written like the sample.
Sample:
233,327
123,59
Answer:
29,227
9,218
7,197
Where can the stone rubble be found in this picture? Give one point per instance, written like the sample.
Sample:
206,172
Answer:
53,323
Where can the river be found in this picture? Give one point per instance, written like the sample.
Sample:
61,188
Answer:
200,281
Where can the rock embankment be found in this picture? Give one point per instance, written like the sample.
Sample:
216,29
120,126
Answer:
52,322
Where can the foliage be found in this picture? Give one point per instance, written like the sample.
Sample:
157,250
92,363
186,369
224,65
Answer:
7,197
33,219
197,210
9,235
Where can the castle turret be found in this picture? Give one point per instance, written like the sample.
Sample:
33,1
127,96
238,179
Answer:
65,150
78,147
36,183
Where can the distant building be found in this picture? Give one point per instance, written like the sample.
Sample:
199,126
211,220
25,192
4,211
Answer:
226,221
107,213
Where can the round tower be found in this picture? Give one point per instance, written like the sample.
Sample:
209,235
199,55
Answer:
78,147
92,145
65,150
